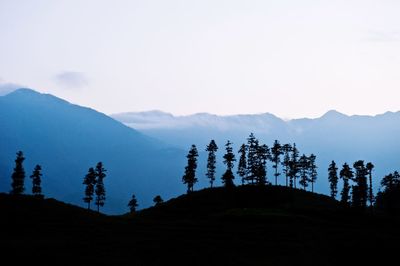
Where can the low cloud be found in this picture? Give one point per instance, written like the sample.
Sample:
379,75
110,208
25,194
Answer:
6,88
383,36
71,80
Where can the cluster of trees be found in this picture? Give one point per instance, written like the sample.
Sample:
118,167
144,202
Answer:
389,198
18,178
94,186
252,165
360,191
133,203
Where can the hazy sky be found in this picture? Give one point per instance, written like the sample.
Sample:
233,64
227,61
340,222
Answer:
288,57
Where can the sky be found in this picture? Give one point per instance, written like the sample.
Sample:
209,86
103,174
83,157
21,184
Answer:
288,57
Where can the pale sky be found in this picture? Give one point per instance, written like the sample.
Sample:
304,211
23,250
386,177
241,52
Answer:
288,57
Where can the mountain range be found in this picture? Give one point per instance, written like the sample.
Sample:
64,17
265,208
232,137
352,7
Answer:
66,139
333,136
144,153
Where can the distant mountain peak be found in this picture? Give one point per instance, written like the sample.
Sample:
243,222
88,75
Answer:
333,114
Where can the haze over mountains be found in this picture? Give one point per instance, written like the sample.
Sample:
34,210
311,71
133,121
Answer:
333,136
67,139
148,157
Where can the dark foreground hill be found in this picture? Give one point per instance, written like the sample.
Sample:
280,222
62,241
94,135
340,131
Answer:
241,226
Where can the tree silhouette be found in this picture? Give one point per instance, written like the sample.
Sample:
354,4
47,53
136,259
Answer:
133,204
286,149
99,188
229,158
189,177
158,200
303,164
90,182
312,170
346,174
36,181
360,190
18,176
370,167
333,179
294,166
252,164
242,166
389,199
211,161
262,156
276,152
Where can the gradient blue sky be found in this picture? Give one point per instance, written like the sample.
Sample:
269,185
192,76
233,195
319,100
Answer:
288,57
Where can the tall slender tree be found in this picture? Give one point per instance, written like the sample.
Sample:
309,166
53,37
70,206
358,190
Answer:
312,170
242,166
276,152
252,160
18,176
346,174
360,190
90,182
333,179
36,181
303,171
294,166
229,159
132,204
370,167
262,156
100,190
286,149
189,178
211,161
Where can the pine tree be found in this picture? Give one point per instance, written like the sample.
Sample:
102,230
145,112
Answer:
370,167
294,166
360,190
211,161
189,177
229,158
286,149
312,170
242,166
99,188
346,174
133,204
276,152
90,182
18,176
36,181
303,170
252,167
158,200
333,179
262,156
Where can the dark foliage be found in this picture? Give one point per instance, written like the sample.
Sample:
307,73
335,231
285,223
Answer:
36,181
212,148
18,176
90,182
333,179
189,178
99,189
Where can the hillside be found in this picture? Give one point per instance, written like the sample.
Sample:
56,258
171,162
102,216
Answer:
67,139
333,136
241,226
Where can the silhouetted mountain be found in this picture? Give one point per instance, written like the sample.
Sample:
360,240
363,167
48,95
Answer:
67,139
334,136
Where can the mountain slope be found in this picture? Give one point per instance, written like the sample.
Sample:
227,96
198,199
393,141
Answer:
334,136
67,139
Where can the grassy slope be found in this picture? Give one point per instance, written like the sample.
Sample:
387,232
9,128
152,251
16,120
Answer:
242,226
